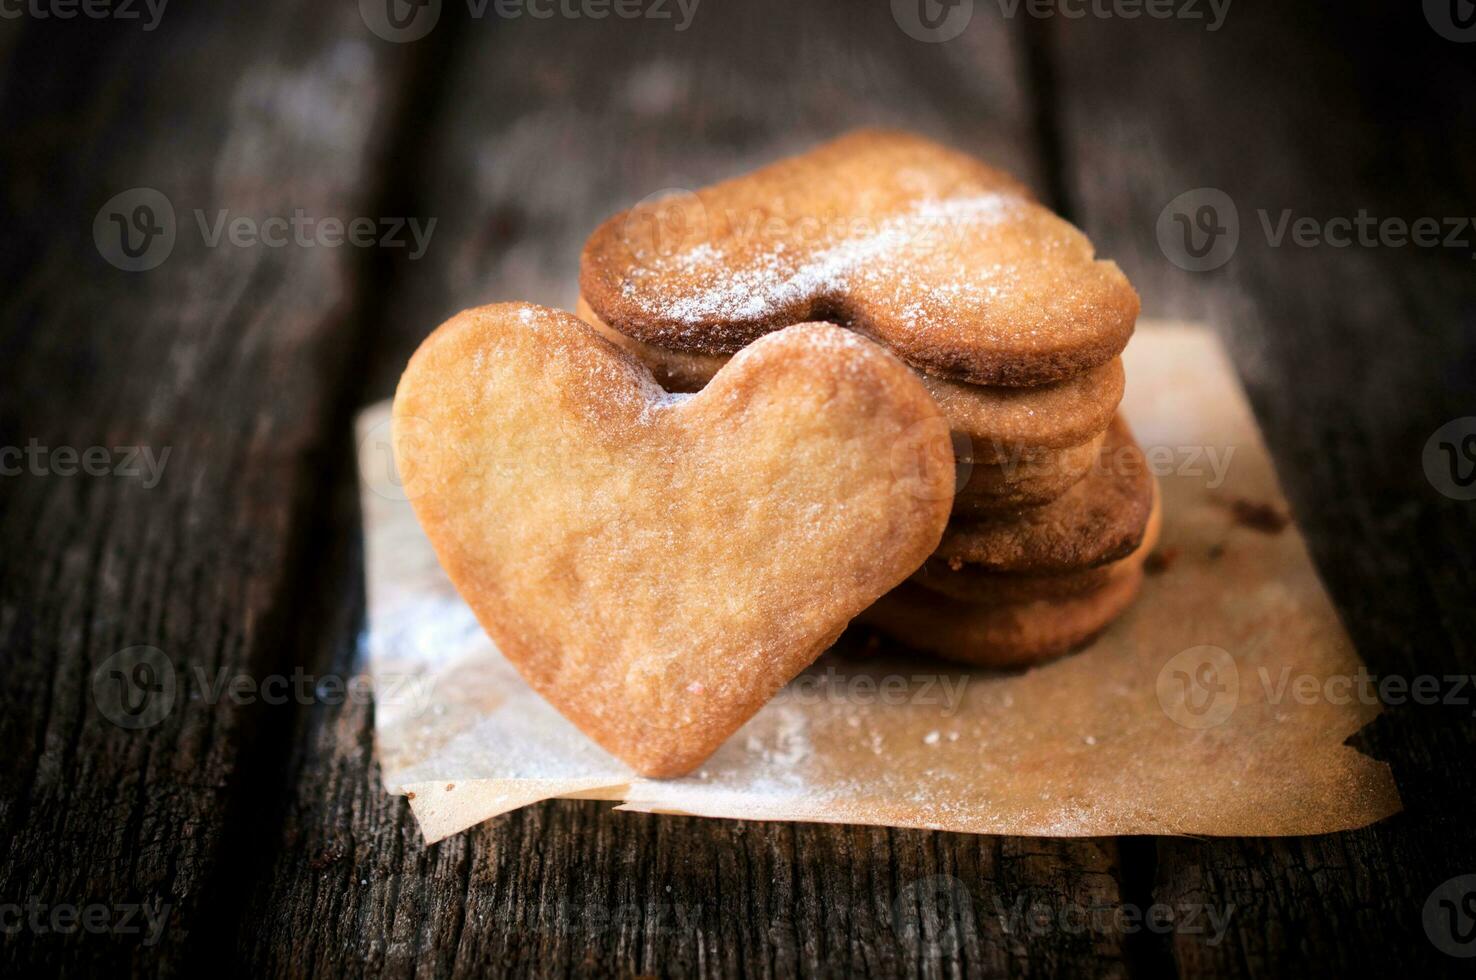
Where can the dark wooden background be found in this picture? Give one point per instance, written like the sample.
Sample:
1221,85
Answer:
264,828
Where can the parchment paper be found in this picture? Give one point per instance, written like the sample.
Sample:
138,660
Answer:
1190,715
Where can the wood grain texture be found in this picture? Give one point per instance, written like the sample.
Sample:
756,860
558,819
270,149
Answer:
231,359
1352,357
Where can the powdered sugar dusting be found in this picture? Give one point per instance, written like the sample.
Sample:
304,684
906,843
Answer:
732,280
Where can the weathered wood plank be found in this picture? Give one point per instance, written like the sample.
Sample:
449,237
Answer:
230,359
552,126
1353,357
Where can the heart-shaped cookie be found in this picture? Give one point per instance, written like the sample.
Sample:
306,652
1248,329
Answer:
947,261
657,566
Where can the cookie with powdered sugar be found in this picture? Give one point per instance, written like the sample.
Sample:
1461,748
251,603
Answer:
946,261
657,566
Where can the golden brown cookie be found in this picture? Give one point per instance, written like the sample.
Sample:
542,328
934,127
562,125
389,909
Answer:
1004,423
658,566
1008,635
986,489
990,423
969,584
1098,520
947,261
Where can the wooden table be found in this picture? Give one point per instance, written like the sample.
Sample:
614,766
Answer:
262,829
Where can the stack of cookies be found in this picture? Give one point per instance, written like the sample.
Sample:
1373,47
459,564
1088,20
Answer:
1001,309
